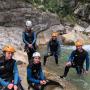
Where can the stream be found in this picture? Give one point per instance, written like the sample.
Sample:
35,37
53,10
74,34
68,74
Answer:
80,82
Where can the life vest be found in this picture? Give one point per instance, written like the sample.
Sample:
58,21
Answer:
6,68
29,37
79,57
35,70
53,45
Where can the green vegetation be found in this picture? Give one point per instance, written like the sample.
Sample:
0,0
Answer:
54,6
63,8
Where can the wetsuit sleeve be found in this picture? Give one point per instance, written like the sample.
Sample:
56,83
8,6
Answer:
34,38
16,74
30,78
23,37
87,61
3,83
42,77
71,58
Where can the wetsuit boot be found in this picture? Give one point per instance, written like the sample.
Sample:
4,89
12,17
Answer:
65,72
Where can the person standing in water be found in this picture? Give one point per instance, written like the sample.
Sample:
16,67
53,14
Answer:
53,48
77,59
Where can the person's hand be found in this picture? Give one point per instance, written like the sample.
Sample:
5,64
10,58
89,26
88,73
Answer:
15,87
68,63
10,86
30,46
44,82
86,72
41,82
49,53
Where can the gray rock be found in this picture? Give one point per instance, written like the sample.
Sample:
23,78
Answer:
87,29
83,11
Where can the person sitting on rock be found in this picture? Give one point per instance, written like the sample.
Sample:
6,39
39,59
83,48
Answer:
29,38
35,75
9,76
53,48
77,59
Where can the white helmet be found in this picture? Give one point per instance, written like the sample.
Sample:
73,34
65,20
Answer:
29,23
35,54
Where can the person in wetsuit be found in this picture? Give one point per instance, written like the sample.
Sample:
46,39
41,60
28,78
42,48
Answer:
35,75
9,76
53,48
29,38
77,59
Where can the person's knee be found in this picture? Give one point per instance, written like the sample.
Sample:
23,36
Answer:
68,64
56,57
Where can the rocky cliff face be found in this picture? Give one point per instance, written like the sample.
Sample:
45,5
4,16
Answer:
14,13
82,12
81,9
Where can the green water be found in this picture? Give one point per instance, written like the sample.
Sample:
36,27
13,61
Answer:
80,82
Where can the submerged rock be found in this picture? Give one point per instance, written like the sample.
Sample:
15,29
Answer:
64,84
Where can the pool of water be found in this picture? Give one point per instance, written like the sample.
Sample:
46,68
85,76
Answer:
80,82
